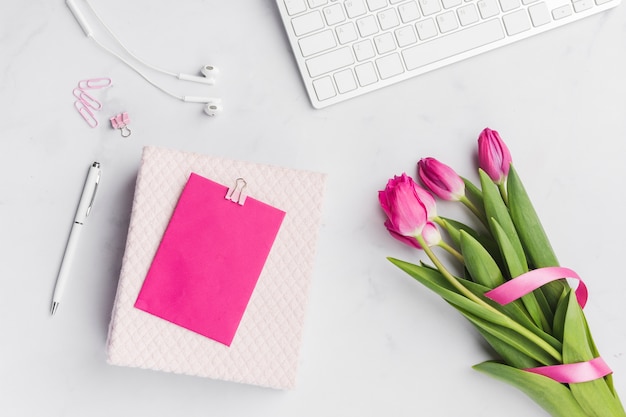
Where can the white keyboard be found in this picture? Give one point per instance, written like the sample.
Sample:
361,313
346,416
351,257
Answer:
345,48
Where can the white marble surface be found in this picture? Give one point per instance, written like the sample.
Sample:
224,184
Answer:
375,343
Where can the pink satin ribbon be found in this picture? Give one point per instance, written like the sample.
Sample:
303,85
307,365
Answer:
572,373
569,373
530,281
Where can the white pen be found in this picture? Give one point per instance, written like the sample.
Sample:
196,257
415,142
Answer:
83,210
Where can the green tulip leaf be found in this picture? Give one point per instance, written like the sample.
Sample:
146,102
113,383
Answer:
558,324
511,338
481,266
497,209
473,192
537,348
595,397
454,229
517,266
516,311
474,197
528,225
507,353
436,282
552,396
533,236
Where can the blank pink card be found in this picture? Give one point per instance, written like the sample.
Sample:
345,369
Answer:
209,260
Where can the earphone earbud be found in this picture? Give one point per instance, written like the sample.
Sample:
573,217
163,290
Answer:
208,72
212,108
212,105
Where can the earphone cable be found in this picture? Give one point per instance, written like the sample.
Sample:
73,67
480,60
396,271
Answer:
129,64
108,29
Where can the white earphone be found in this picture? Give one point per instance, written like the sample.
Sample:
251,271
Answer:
209,73
212,105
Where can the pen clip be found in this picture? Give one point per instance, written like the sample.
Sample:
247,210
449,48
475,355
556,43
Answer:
93,195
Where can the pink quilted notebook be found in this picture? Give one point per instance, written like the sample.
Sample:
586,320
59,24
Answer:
265,348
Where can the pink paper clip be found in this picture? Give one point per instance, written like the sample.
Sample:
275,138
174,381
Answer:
121,121
86,113
94,83
86,99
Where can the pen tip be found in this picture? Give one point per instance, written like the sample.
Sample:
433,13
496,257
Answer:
53,310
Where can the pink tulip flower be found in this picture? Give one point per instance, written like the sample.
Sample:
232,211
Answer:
406,212
442,180
493,156
428,201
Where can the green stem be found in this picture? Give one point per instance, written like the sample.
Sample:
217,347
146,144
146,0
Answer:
441,222
513,325
451,251
503,191
472,207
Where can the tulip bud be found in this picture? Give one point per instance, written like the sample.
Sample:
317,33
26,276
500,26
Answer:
493,156
430,234
442,180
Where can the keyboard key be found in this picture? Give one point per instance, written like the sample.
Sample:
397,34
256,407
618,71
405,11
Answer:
385,43
317,43
324,88
295,6
355,8
345,81
561,12
346,33
408,12
426,29
366,74
508,5
455,43
488,8
317,3
447,4
376,4
330,61
405,36
334,14
447,21
367,26
516,22
467,14
429,7
539,14
307,23
582,5
364,50
389,66
388,19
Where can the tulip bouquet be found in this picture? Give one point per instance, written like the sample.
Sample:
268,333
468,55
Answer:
508,282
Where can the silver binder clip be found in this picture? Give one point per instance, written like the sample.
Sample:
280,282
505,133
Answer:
237,192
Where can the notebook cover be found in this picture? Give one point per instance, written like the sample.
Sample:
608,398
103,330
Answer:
265,349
